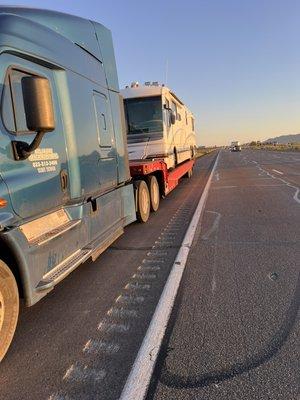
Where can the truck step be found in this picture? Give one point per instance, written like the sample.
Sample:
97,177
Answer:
63,269
51,278
54,233
105,244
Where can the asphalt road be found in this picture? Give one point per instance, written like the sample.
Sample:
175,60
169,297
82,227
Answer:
234,333
81,340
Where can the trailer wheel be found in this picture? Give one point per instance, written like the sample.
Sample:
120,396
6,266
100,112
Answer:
143,201
189,173
175,156
192,153
9,307
154,192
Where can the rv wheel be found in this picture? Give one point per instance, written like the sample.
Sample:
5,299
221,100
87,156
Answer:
154,192
9,307
143,201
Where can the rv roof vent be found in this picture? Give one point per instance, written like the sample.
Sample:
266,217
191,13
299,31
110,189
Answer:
155,83
147,83
134,84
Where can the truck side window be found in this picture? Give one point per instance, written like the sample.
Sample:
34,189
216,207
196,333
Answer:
13,112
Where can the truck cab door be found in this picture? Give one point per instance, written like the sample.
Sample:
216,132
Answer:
107,164
38,184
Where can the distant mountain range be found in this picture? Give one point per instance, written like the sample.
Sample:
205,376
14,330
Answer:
284,139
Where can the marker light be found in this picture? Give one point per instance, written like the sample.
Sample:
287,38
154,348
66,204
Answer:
3,203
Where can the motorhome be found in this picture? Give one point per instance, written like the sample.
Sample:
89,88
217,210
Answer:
159,125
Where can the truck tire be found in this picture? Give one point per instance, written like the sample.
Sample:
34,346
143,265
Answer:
143,201
9,307
154,192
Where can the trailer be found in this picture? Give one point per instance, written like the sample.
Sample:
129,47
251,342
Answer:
153,180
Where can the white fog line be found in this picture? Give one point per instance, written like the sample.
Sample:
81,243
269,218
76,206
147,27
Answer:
278,172
140,375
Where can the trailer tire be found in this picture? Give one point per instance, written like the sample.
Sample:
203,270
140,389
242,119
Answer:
189,174
143,201
193,153
175,156
154,192
9,307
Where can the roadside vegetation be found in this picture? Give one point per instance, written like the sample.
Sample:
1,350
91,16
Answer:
201,151
274,146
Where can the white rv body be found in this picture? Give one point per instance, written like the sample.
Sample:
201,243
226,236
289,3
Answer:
150,133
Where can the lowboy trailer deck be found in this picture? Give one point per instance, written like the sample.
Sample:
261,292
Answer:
152,180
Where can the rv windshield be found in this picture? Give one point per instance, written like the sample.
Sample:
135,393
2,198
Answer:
144,115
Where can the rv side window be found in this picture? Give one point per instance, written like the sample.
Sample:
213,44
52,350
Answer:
174,108
13,113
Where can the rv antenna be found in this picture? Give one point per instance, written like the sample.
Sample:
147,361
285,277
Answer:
167,70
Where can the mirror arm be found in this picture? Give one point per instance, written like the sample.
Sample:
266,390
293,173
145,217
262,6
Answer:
23,150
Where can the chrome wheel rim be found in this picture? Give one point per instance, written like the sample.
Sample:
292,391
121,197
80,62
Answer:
155,194
1,310
144,202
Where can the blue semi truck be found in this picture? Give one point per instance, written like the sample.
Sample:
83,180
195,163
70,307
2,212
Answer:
66,191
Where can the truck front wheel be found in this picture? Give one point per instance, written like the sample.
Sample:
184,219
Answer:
9,307
143,201
154,192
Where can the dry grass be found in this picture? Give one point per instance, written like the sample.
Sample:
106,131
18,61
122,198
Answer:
278,147
203,152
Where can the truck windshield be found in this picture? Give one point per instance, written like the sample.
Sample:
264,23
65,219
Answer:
144,115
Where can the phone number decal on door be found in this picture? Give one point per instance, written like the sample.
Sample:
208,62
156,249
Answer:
44,160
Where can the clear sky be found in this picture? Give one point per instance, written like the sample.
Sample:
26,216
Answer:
235,63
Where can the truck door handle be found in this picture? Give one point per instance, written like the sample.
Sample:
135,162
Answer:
64,180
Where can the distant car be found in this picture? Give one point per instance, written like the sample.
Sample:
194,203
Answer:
236,148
